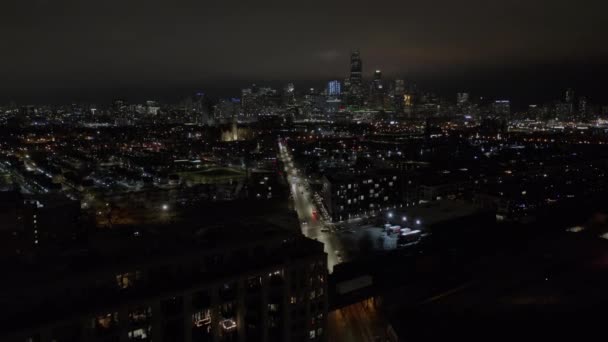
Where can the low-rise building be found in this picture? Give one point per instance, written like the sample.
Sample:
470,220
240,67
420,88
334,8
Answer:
347,195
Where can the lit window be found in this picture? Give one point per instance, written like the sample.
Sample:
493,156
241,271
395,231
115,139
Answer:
140,334
312,334
140,314
106,321
228,324
201,318
127,280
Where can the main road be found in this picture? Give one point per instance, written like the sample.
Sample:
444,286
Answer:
359,322
310,218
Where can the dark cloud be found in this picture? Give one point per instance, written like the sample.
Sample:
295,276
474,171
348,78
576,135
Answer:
65,44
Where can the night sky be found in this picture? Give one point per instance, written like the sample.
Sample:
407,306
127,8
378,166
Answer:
60,47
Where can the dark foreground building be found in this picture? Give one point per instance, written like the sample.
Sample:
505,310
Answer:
227,284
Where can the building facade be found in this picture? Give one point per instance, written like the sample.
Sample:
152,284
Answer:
273,289
348,196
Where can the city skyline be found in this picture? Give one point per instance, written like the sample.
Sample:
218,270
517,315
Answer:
57,49
265,171
522,86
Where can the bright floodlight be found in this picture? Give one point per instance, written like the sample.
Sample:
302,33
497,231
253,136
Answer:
165,207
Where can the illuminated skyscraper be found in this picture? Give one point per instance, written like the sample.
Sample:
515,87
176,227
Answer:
399,87
377,91
377,75
582,105
355,81
569,95
398,92
289,94
502,108
334,88
356,68
462,99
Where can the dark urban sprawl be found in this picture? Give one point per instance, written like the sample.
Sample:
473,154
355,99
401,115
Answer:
365,207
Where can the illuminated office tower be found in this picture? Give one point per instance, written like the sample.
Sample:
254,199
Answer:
334,88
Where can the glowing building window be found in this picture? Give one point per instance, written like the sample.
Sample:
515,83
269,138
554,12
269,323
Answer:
106,321
140,314
141,334
228,324
201,318
127,280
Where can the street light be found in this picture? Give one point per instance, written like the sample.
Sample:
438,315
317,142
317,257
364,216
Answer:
418,222
404,219
165,207
390,215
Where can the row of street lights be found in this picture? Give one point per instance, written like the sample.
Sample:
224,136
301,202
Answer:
403,218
